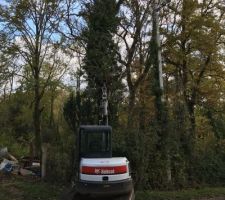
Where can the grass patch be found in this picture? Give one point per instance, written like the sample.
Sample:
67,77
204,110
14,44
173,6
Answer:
181,195
22,189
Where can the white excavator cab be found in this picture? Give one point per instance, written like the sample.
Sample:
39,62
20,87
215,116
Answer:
99,172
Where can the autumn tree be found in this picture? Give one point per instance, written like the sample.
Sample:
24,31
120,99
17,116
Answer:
192,50
31,25
133,37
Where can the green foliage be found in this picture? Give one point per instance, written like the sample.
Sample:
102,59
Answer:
79,109
71,111
100,62
16,117
16,147
61,162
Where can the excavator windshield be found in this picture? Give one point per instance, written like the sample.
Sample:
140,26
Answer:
95,142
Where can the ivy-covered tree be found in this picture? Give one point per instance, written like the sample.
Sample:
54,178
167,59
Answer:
100,62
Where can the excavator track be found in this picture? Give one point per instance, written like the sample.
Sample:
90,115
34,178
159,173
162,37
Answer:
72,194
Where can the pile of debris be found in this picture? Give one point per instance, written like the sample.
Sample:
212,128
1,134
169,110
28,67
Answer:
25,166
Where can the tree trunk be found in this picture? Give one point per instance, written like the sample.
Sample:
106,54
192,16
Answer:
33,151
51,120
37,115
160,105
192,117
142,109
131,104
37,118
44,152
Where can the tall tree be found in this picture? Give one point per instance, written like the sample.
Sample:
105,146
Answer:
134,52
157,89
197,55
192,50
31,25
100,63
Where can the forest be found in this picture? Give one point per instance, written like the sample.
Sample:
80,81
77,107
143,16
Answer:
56,55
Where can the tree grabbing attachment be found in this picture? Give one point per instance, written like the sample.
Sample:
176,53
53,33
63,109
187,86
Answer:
104,107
